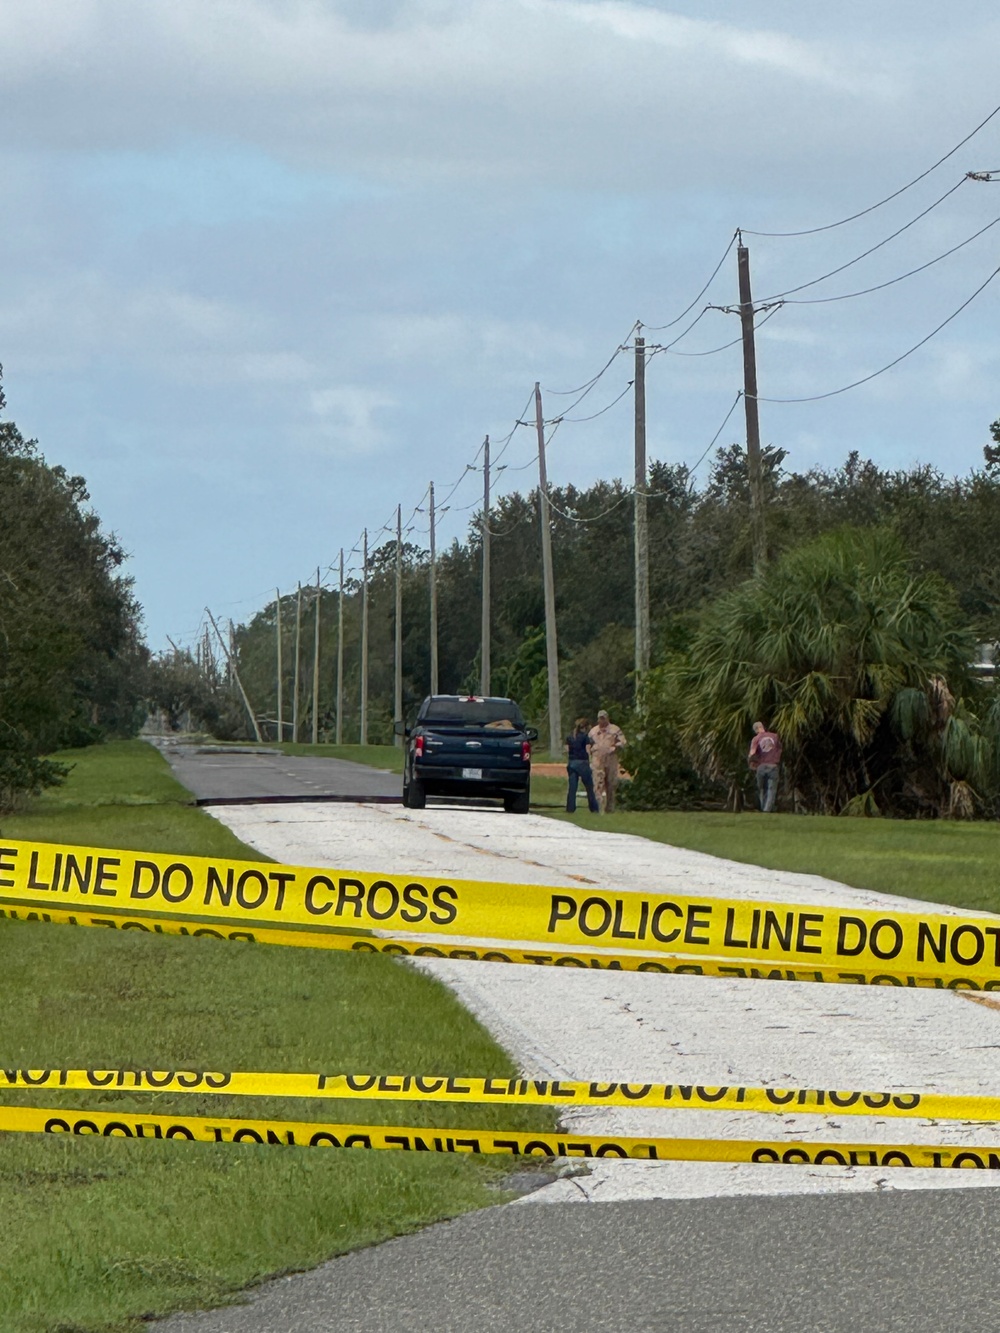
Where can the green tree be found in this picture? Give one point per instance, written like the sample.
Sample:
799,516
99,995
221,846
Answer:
835,647
72,659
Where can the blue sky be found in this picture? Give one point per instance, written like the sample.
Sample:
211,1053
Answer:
272,265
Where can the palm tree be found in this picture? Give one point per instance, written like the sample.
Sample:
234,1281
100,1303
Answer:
860,663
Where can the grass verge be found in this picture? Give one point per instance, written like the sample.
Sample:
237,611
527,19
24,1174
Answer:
99,1235
936,860
373,756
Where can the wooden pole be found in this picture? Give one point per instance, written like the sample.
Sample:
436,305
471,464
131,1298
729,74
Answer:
485,671
434,599
281,667
641,525
315,716
364,644
551,646
340,654
754,470
298,665
235,673
397,651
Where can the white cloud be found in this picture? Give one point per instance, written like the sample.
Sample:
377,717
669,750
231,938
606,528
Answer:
554,90
346,417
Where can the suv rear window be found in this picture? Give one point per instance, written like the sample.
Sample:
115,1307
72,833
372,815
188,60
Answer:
498,714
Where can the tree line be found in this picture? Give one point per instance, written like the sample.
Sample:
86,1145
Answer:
913,537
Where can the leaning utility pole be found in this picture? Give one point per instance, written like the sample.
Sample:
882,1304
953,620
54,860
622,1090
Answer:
315,717
755,475
641,526
434,599
551,646
397,647
364,643
281,670
231,660
484,652
298,665
340,654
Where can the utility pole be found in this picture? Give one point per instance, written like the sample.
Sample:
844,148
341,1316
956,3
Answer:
340,654
551,646
434,599
641,526
755,474
235,673
364,644
315,717
485,672
281,670
397,653
298,665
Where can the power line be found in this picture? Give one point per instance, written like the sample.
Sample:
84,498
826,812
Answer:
594,415
594,518
658,328
568,393
848,296
711,443
711,351
505,442
813,398
871,250
812,231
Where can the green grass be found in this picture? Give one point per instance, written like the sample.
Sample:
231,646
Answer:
936,860
124,795
97,1234
375,756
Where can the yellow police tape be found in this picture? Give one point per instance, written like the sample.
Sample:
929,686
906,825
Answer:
232,897
313,1134
543,956
512,1091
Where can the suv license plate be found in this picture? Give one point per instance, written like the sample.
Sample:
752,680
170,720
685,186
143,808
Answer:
473,774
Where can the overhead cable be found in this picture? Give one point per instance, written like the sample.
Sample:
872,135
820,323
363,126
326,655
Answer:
789,291
812,231
711,443
593,415
711,351
568,393
865,291
658,328
813,398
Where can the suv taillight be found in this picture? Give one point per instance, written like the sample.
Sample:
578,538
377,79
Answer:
526,751
418,747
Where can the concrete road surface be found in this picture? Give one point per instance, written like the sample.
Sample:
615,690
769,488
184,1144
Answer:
783,1252
240,773
893,1263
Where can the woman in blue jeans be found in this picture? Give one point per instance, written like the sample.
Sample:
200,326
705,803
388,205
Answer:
578,748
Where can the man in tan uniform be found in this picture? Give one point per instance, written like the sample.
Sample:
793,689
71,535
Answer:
607,740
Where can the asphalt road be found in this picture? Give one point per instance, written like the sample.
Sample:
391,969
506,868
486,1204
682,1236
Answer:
246,773
895,1263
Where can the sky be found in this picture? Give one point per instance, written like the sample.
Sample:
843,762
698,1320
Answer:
271,266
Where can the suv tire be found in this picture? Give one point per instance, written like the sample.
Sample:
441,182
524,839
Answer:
518,803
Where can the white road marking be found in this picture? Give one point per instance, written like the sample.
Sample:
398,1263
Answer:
641,1027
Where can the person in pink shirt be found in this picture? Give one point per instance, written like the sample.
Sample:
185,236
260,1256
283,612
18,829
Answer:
765,762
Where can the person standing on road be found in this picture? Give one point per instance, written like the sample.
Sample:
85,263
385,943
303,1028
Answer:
578,747
765,761
606,740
